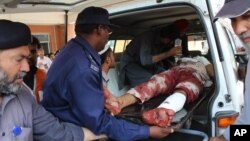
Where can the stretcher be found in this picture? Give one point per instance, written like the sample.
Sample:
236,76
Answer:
134,112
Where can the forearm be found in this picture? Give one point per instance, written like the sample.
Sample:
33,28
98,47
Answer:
47,127
126,100
161,56
172,52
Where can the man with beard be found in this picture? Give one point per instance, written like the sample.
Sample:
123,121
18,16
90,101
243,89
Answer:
240,20
21,118
35,77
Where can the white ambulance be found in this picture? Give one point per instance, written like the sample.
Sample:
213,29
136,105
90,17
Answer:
219,105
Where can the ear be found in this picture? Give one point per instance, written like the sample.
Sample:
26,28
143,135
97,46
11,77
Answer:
98,30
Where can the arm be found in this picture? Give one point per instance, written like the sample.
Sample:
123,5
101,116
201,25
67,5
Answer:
127,99
172,52
44,130
116,104
95,118
47,127
147,44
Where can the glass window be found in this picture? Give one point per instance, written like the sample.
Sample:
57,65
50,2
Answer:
118,46
44,41
198,43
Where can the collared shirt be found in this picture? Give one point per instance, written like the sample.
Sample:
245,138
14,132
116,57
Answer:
21,112
73,91
110,81
105,79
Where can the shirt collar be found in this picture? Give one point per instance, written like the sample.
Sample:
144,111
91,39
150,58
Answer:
105,77
6,99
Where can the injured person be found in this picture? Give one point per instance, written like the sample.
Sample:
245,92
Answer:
183,84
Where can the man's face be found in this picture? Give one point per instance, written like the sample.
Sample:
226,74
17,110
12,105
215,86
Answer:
13,67
41,52
241,26
52,57
104,32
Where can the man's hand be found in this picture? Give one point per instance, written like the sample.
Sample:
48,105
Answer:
160,132
113,105
111,102
220,138
175,51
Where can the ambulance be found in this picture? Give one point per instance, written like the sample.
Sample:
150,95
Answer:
218,105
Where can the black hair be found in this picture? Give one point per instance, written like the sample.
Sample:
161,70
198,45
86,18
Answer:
170,31
105,55
51,53
35,42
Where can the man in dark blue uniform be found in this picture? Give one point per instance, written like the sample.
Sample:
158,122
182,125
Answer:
73,88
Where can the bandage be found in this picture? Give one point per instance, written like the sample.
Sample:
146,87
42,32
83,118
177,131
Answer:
174,102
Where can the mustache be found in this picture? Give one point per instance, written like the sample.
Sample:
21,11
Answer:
245,35
20,75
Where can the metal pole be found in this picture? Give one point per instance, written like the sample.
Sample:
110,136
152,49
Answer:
66,26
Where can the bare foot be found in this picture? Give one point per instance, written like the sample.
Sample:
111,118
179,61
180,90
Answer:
160,117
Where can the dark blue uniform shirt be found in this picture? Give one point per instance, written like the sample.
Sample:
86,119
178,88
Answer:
73,92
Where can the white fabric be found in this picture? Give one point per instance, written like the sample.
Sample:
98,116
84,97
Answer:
198,63
110,80
174,102
104,50
42,62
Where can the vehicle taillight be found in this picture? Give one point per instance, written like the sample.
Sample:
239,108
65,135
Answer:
224,122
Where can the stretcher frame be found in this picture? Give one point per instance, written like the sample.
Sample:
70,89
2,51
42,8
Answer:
134,112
